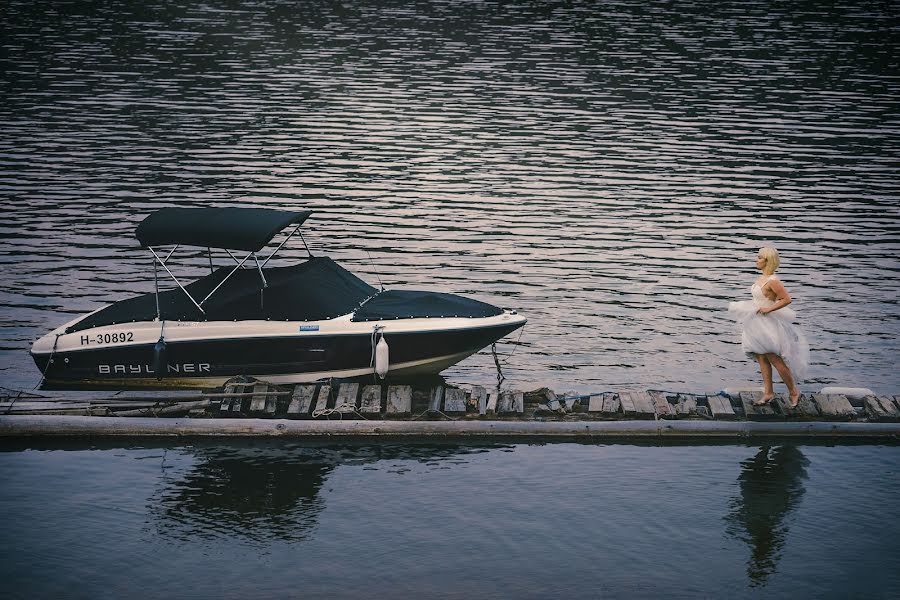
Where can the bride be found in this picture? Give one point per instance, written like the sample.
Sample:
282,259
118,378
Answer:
768,331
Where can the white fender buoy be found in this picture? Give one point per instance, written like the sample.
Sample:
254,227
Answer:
382,358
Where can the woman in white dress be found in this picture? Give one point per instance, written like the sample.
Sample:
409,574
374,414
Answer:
769,334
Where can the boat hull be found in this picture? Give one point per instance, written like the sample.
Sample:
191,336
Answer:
283,354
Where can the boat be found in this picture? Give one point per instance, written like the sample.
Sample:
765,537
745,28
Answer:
307,321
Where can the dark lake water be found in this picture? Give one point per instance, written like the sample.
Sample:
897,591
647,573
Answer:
607,169
274,519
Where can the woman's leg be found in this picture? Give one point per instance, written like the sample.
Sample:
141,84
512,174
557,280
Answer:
766,369
786,376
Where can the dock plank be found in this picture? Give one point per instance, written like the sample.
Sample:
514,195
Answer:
480,396
720,408
323,398
302,399
346,398
834,407
454,400
370,400
627,403
766,412
258,400
686,406
434,398
661,405
519,401
271,404
637,403
491,407
881,408
611,404
511,402
399,400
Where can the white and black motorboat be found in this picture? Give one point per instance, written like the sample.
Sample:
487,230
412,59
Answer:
288,324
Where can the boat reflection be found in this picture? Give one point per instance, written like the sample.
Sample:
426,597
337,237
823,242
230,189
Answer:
771,486
263,491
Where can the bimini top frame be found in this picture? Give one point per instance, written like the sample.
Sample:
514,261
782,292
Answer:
246,229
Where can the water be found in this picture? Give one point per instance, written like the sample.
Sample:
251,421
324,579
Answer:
607,170
274,519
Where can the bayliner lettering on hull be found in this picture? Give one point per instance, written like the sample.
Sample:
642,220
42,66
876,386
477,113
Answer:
148,369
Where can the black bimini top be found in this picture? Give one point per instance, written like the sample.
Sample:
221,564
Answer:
248,229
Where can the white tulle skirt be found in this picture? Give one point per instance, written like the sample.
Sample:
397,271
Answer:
774,333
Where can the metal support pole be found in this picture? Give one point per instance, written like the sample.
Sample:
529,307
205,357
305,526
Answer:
169,255
240,264
304,245
259,268
209,254
290,235
175,279
156,285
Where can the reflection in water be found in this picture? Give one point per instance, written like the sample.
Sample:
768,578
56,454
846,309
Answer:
264,491
771,486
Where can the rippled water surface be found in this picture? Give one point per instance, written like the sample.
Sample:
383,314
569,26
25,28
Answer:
608,169
273,519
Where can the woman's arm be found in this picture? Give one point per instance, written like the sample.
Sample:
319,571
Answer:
782,298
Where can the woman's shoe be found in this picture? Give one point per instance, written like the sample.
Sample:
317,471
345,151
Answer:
763,401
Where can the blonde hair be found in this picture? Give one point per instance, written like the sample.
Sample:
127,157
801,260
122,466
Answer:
772,261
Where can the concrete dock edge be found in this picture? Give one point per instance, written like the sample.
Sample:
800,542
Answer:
66,425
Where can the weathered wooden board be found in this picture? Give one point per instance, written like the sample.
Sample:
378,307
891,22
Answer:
805,409
511,402
346,398
454,400
258,401
434,398
399,400
323,398
720,408
834,407
370,401
686,406
766,412
611,404
661,405
271,404
881,408
637,403
480,396
595,403
491,407
302,399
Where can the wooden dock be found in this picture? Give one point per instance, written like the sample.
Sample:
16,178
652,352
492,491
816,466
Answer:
353,408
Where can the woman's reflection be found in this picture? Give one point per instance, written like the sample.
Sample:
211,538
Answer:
771,486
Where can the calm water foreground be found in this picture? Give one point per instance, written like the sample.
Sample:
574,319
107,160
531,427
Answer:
272,519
